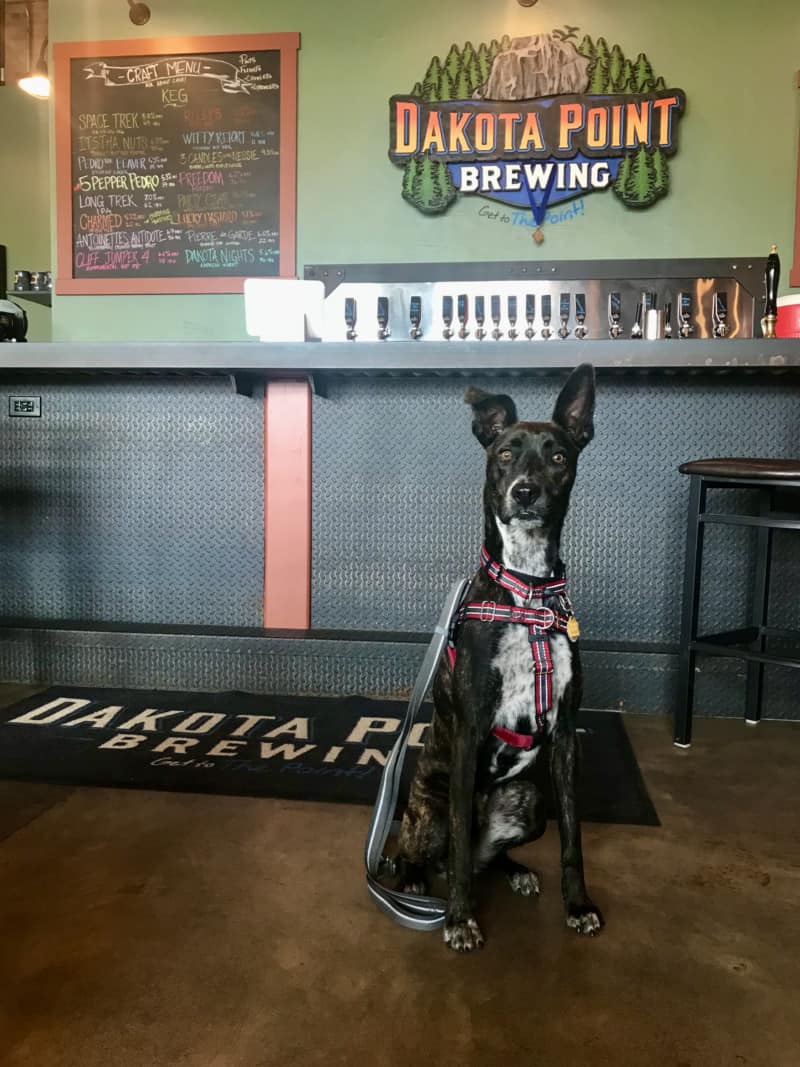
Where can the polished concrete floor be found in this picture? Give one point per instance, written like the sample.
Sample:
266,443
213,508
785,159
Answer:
171,930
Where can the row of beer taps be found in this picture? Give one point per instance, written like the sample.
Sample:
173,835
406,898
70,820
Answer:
649,320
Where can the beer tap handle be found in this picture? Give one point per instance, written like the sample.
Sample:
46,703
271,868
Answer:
512,317
530,314
497,333
668,319
580,315
383,318
719,314
614,314
350,317
685,327
563,310
636,329
447,317
547,315
463,315
772,277
415,314
480,317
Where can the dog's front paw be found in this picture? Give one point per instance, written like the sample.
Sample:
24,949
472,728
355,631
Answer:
524,882
462,935
585,918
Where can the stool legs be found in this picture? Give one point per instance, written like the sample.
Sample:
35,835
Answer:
755,671
691,607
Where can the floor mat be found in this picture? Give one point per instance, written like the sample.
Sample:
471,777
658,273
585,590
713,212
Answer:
305,748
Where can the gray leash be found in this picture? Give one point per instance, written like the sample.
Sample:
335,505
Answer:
408,909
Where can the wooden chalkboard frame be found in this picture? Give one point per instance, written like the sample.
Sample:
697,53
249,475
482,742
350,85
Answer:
286,43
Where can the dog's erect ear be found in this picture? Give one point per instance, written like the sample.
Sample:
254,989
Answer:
574,408
491,414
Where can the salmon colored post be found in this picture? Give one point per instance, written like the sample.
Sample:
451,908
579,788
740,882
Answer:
794,277
287,505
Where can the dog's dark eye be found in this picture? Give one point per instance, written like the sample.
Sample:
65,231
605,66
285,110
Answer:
559,457
505,455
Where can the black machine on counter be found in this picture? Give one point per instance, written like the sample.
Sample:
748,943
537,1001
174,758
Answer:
617,299
13,320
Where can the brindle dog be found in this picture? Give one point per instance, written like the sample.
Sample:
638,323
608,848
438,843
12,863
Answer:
473,796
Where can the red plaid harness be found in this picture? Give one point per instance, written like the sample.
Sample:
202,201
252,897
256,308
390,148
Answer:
541,622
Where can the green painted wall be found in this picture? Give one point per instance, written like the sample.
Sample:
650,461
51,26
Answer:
732,182
24,201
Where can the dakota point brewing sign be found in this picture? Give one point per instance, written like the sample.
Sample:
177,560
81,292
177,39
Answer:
534,121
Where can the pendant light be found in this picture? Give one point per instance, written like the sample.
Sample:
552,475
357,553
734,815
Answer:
37,81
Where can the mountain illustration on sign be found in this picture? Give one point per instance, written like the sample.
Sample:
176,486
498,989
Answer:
527,68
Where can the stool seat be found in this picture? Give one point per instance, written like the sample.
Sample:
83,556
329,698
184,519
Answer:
744,468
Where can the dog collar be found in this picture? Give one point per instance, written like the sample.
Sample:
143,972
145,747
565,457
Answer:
523,585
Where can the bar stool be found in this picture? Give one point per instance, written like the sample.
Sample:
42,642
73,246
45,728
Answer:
765,476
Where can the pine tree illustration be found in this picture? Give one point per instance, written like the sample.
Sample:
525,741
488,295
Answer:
601,52
505,44
586,47
623,174
462,86
446,89
639,188
660,173
473,69
599,79
643,74
616,64
484,62
418,179
627,79
453,62
409,179
431,189
660,85
430,83
467,54
494,48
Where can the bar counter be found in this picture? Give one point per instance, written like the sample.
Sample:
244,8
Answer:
282,359
159,530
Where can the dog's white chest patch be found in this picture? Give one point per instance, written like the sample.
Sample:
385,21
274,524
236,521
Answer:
516,710
514,661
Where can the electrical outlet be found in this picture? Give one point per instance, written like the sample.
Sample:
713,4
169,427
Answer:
25,406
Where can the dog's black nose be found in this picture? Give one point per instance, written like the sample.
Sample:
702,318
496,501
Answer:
525,494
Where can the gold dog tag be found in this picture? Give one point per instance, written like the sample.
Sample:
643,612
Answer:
573,629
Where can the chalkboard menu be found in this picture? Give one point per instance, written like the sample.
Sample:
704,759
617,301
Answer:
176,163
